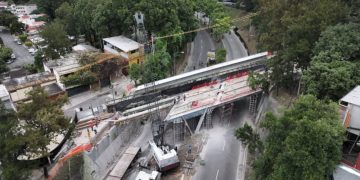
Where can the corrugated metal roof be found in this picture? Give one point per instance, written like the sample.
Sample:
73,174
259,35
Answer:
353,97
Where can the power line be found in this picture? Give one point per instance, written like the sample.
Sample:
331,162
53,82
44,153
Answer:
208,27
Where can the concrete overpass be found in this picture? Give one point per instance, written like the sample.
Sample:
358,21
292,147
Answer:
210,72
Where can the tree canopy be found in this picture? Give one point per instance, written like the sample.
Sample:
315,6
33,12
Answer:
249,137
304,143
333,71
155,67
44,120
55,39
291,28
11,145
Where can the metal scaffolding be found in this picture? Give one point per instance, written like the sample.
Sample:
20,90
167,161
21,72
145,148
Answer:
253,104
208,119
226,112
178,128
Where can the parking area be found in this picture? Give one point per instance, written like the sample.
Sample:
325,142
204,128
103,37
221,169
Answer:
22,54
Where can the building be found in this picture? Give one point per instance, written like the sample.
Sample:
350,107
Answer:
131,50
31,25
80,48
5,98
19,87
19,10
350,118
67,66
3,5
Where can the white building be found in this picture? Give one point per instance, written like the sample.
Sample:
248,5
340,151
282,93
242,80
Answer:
19,10
5,98
126,48
351,106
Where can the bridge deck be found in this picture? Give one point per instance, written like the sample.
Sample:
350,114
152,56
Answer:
214,94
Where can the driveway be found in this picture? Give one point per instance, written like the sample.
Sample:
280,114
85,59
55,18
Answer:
23,56
234,47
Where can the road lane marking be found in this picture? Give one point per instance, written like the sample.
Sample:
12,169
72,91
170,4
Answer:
217,174
223,146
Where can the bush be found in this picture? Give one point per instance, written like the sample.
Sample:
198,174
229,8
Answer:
5,53
220,55
22,37
28,44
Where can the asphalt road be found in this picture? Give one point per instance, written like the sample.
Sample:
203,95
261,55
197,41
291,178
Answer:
23,56
234,47
223,152
201,45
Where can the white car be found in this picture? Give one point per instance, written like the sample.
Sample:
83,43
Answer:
19,42
13,56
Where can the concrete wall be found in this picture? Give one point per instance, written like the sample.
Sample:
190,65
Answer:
104,155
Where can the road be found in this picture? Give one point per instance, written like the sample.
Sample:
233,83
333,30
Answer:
223,152
234,47
201,45
23,56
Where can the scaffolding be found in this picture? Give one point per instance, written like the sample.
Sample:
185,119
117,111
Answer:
226,112
178,128
208,119
252,104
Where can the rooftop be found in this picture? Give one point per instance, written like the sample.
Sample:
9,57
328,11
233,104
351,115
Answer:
29,80
84,48
123,43
65,65
353,97
53,89
3,91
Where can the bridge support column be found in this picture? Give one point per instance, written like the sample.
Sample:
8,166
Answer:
253,104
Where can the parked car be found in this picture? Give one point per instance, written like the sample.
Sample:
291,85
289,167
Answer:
32,51
19,42
13,56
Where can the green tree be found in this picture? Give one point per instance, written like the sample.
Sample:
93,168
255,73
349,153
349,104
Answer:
342,39
5,55
249,138
135,73
23,37
65,15
11,145
291,28
220,55
304,143
56,40
44,120
259,80
49,6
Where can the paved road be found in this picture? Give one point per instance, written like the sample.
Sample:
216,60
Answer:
23,56
223,152
234,47
201,45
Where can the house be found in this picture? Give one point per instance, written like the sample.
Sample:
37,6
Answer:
5,98
350,119
3,5
80,48
19,10
131,50
67,67
19,87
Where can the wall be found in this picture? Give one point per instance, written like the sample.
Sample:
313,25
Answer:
99,161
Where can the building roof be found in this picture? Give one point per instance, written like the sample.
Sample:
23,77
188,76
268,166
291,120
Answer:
123,43
345,172
53,89
29,80
3,91
84,48
66,65
353,97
